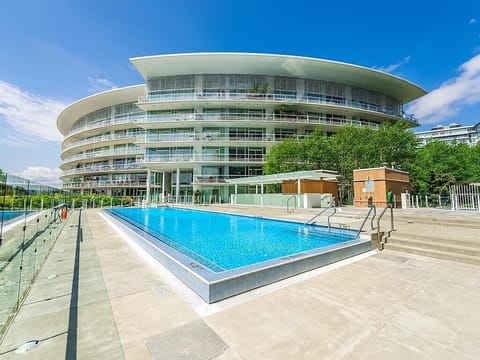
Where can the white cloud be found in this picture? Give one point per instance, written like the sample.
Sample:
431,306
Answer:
393,67
472,21
447,100
43,175
100,84
30,116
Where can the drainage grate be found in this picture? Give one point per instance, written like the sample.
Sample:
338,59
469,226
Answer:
162,291
194,341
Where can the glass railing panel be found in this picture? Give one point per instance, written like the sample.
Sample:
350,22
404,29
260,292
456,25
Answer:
26,236
321,100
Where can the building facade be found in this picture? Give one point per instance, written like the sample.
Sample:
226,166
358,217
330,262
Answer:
451,133
202,119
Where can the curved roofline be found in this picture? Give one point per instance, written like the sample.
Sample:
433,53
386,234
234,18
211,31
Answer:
275,64
97,101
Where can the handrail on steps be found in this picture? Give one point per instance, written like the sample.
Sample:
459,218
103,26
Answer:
372,208
381,244
334,212
295,203
321,212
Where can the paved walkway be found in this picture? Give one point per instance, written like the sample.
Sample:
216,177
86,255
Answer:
385,306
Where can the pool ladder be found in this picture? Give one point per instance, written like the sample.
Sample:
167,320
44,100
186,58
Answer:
294,198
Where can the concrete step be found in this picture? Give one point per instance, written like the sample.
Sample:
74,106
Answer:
437,246
474,260
471,222
439,239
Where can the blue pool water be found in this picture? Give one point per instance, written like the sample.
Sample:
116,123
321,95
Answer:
8,215
224,242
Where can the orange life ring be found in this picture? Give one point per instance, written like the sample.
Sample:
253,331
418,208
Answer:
64,213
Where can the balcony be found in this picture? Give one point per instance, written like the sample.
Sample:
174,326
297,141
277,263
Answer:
252,117
103,153
203,158
272,98
101,169
215,179
98,139
104,184
108,122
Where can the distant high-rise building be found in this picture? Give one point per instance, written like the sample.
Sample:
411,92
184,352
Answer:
469,134
201,119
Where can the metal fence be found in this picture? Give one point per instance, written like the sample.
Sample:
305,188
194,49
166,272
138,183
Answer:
430,201
465,197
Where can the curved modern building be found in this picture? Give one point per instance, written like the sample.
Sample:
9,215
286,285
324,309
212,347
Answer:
204,118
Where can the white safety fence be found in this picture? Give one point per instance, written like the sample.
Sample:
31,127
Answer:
465,197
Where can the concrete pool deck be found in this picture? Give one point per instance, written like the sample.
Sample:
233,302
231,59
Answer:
388,305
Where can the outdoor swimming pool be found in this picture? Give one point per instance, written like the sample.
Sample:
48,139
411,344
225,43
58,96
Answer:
215,248
9,215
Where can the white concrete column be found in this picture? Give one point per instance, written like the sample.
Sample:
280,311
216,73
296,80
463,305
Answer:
163,186
149,174
299,191
261,194
177,186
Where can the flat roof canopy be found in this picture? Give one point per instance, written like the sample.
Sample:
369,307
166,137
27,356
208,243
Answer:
279,178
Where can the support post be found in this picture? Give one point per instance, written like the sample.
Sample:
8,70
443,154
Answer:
299,191
177,187
149,174
261,194
163,186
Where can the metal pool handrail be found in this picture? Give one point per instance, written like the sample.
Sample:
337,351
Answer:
382,243
372,208
320,213
294,204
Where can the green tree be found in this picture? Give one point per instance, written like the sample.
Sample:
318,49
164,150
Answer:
285,157
395,143
315,151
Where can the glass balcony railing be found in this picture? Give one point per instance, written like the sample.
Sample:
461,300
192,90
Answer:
107,122
100,169
153,118
205,158
98,139
287,117
281,98
216,179
103,184
97,154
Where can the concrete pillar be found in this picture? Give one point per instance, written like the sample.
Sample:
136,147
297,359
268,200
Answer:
177,187
261,194
163,186
148,186
299,191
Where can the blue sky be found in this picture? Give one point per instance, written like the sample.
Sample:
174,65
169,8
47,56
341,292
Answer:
54,52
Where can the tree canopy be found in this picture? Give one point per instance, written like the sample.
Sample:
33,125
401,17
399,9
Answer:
432,167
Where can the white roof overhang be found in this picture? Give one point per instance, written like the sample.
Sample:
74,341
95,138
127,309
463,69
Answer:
71,114
151,67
